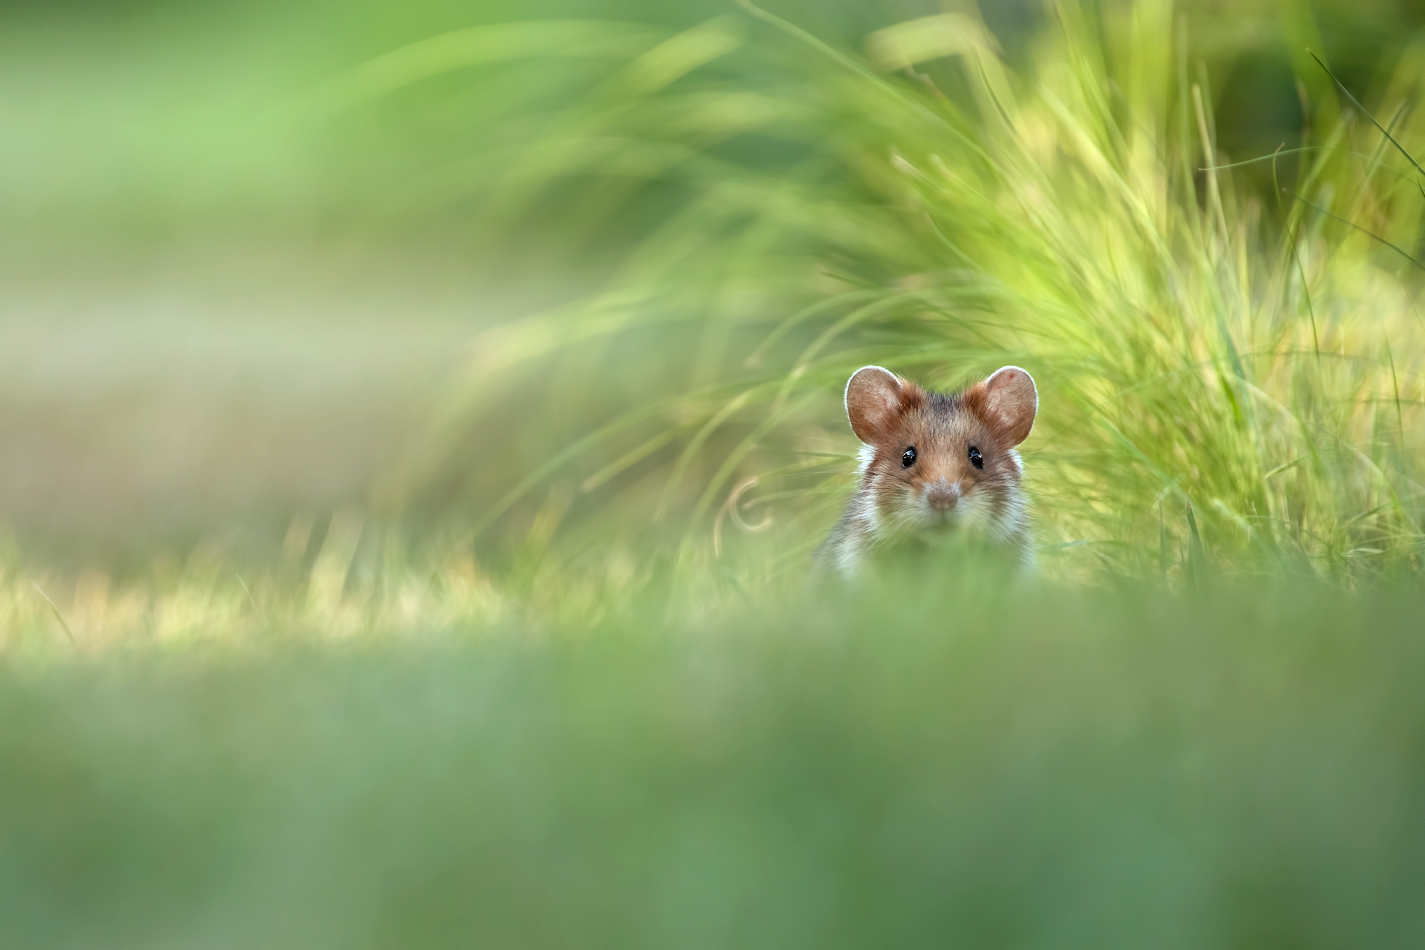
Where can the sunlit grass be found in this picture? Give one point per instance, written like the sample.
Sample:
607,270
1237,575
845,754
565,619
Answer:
1232,384
1197,350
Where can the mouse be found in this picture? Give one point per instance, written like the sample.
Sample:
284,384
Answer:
934,464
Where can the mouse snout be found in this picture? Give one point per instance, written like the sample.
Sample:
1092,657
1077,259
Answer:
941,495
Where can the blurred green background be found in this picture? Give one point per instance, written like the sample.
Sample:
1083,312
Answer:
415,421
238,286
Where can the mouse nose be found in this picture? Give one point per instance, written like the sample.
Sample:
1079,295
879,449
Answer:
942,495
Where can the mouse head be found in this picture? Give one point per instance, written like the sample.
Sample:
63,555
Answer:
933,459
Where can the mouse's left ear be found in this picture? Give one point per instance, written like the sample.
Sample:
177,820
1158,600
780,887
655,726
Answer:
1012,401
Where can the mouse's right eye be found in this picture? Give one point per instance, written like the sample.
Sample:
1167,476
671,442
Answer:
908,458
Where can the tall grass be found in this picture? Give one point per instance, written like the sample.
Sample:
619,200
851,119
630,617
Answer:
1229,384
1231,378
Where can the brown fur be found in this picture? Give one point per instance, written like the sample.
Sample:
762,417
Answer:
942,488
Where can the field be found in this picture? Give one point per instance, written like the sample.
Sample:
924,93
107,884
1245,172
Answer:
415,425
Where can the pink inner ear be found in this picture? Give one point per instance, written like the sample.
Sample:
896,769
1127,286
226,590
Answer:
874,399
1011,397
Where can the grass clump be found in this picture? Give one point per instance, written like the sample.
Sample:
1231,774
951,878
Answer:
1220,372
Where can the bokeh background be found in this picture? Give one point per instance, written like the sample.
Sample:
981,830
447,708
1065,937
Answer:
416,420
246,273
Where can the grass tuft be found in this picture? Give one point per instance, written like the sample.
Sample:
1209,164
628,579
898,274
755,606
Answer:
930,208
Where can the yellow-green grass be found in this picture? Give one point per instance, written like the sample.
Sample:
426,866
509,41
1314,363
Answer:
1219,372
565,681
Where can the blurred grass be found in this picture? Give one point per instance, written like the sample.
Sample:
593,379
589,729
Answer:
1194,344
711,215
937,764
549,310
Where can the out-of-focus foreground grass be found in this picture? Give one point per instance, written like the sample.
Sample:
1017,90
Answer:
934,764
414,424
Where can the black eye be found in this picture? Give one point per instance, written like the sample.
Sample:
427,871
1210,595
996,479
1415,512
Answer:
908,459
976,459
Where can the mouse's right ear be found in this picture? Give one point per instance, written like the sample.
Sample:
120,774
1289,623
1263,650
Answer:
875,398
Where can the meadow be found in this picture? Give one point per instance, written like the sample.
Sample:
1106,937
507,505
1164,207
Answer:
416,426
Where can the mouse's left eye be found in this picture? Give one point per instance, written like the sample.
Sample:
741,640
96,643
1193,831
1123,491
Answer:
976,459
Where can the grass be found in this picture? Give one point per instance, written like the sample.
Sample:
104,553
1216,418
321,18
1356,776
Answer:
564,679
937,764
1260,363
